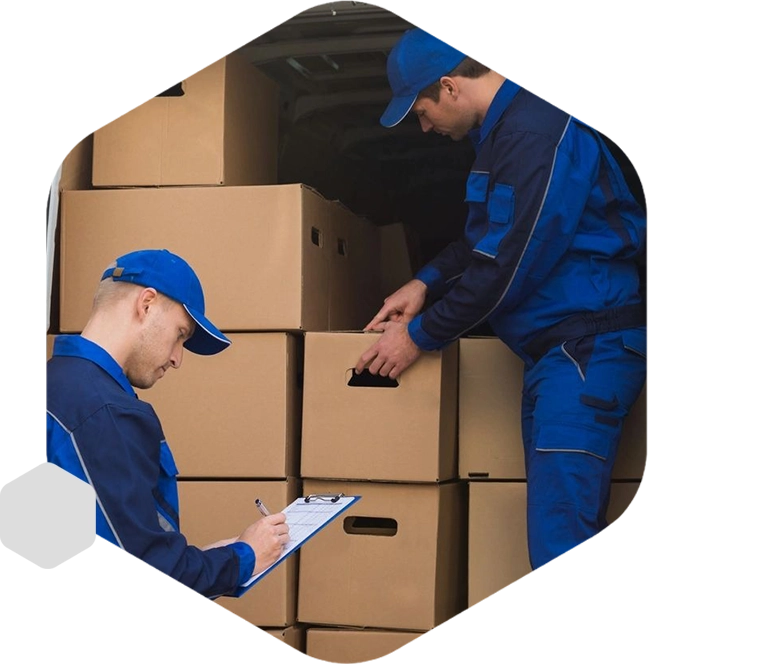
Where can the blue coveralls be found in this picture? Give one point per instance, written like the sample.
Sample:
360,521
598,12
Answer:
549,258
99,431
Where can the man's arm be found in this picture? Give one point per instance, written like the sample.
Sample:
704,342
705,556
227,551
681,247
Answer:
118,455
535,200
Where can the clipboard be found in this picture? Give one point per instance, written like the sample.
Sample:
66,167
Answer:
306,516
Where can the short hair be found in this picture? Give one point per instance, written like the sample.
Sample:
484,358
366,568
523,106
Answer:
468,68
109,291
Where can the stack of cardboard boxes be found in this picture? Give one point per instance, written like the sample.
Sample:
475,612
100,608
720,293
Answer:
492,460
292,278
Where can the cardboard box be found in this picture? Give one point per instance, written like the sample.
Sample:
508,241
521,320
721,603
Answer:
498,553
293,636
489,410
265,255
489,401
354,275
395,266
75,173
395,560
405,433
222,130
622,495
632,451
212,510
236,414
350,645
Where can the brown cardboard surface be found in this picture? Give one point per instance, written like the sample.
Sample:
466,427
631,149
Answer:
350,645
489,410
632,452
213,510
498,553
406,433
236,414
221,131
622,494
489,400
396,560
497,548
263,254
75,173
293,636
76,168
396,268
354,271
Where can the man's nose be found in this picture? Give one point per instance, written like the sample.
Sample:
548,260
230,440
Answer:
425,124
176,355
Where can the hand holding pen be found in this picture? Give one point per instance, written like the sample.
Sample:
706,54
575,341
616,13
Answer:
267,537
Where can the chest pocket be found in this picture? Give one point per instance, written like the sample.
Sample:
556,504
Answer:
490,213
166,493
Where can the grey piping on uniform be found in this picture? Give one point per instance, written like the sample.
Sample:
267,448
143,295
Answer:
531,233
547,449
457,276
163,523
89,479
574,362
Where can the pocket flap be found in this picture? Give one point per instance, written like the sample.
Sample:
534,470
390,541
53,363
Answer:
168,465
635,340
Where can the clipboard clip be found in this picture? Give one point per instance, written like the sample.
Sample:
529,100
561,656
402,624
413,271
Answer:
331,497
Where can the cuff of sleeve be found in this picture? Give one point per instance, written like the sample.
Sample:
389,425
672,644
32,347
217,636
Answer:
421,338
246,557
432,277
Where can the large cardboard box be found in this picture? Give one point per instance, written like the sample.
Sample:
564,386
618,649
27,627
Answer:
395,265
405,433
214,510
236,414
75,173
293,636
489,410
265,255
351,645
498,553
222,129
489,400
395,560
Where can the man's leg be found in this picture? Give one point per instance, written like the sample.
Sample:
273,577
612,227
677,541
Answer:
575,400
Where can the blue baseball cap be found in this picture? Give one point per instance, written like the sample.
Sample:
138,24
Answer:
172,276
415,62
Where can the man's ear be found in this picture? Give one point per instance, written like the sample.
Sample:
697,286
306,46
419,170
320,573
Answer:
449,87
147,298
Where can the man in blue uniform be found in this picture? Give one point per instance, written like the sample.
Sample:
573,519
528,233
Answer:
149,306
549,258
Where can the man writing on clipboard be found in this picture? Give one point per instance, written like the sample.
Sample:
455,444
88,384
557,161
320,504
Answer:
148,308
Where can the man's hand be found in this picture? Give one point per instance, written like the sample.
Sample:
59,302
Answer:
267,537
392,354
401,306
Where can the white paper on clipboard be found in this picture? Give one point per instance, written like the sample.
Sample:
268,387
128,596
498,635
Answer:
305,517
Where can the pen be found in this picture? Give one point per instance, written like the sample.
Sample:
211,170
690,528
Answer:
261,507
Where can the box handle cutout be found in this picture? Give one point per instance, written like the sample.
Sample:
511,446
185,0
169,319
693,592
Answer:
174,91
341,247
370,525
316,237
367,379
